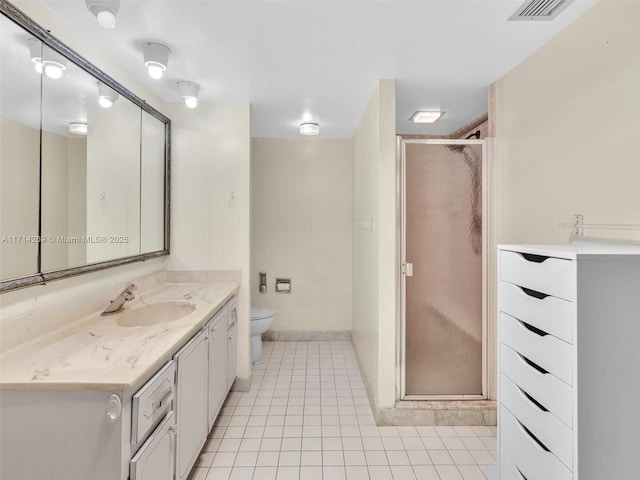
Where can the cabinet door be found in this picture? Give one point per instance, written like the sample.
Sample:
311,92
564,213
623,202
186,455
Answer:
191,403
217,365
232,341
155,459
232,355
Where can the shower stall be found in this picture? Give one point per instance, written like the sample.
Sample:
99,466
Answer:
443,269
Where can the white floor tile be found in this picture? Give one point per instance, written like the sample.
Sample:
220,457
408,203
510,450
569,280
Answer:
357,473
219,473
381,473
309,473
264,473
400,472
308,417
242,473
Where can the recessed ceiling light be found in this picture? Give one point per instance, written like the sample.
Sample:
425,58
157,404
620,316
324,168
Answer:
78,128
426,116
309,129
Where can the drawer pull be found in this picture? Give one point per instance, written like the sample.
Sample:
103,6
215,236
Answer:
521,474
532,436
533,329
534,294
160,403
530,257
532,364
532,400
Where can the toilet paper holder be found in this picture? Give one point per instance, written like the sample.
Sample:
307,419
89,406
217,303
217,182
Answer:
263,282
283,285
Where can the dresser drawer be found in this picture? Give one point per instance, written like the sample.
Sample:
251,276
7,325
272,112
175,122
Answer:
553,276
547,351
547,389
508,470
547,428
551,314
531,459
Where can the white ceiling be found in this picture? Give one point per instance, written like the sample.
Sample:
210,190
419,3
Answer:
325,56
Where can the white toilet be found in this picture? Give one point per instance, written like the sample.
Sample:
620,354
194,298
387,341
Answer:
261,321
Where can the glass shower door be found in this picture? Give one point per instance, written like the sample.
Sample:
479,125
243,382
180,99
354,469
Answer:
443,250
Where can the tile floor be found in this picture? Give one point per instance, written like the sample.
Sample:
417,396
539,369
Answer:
307,417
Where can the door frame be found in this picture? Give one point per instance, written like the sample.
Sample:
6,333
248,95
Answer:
401,237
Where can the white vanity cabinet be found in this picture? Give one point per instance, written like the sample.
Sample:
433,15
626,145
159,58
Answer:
151,428
569,331
217,331
191,402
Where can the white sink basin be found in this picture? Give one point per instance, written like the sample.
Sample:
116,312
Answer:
154,313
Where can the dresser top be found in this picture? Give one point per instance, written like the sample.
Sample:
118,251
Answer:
584,251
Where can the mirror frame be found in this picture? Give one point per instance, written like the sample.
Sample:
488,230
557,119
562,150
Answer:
41,278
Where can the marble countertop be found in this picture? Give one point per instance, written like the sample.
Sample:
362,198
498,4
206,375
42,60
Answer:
97,353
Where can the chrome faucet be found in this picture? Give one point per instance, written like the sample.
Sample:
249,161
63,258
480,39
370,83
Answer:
117,304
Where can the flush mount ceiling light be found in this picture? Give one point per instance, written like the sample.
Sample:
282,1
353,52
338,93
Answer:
78,128
426,116
156,58
309,128
53,64
106,95
189,93
35,50
105,11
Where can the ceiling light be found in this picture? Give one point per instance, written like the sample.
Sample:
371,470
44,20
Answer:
35,49
189,93
309,128
426,116
78,128
106,95
105,11
156,58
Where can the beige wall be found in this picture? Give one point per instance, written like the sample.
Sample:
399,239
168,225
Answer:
374,243
210,200
567,121
113,180
301,228
19,171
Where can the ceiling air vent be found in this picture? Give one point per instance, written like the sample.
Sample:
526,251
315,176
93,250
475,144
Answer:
540,9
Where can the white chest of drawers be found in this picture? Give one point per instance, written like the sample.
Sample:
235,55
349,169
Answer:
569,362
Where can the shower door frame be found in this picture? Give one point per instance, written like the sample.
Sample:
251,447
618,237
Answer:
402,300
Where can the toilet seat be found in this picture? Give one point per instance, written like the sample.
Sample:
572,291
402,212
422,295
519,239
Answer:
260,313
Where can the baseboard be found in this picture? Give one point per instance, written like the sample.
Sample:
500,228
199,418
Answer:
306,336
241,385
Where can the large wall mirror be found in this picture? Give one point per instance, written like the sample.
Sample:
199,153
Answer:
84,163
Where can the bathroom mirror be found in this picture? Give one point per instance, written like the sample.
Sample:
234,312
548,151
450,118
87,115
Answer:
84,163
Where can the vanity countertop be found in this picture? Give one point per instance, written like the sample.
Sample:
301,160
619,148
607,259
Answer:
97,353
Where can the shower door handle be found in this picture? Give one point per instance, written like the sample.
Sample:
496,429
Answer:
408,269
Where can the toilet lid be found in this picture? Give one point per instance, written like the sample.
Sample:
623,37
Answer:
258,313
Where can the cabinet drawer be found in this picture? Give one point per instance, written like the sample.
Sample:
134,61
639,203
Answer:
152,402
508,470
534,461
156,458
551,314
547,351
547,389
554,434
232,312
553,276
